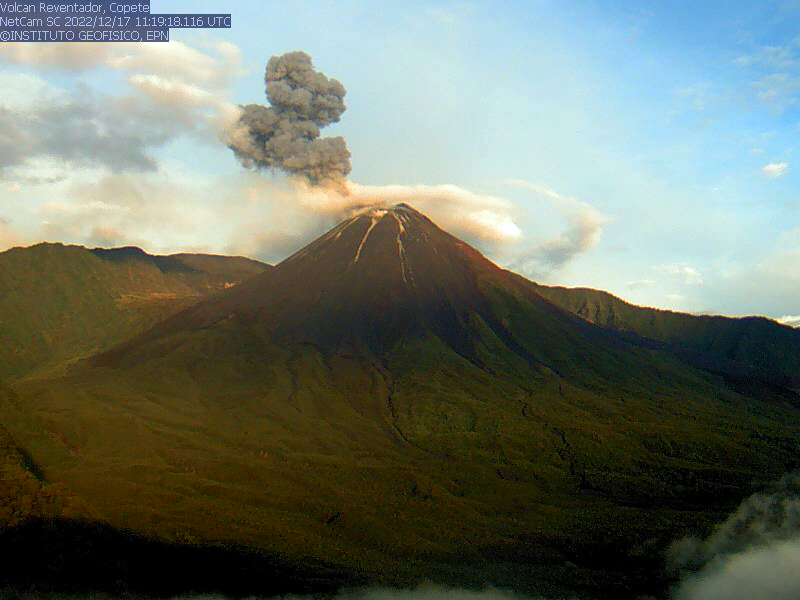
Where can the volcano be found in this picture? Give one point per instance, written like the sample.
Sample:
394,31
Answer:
388,278
389,400
376,278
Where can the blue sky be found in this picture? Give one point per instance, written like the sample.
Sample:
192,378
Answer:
657,140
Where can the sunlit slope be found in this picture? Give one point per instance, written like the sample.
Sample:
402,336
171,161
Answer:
61,302
389,399
753,347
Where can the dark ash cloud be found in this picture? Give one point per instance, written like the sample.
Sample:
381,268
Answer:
286,135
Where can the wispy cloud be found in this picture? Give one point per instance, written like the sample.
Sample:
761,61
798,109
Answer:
776,72
212,65
584,231
684,273
638,284
775,170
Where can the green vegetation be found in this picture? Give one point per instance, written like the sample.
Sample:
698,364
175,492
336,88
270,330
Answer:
59,303
427,462
434,417
754,346
24,492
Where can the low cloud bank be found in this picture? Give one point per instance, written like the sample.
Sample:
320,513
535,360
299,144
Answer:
790,320
755,553
426,591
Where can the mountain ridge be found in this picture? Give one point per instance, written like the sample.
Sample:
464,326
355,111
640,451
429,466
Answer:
389,397
60,301
751,346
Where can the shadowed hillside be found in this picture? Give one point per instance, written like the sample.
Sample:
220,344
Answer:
71,557
752,347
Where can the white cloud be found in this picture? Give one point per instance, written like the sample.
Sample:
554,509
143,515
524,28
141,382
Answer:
638,284
790,320
770,572
174,90
755,553
477,217
686,274
775,170
213,65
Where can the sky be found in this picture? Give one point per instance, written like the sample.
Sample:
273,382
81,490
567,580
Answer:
647,149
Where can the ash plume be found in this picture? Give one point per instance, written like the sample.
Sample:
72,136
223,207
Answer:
286,134
584,230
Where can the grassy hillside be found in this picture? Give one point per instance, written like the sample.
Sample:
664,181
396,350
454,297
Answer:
424,464
389,402
61,302
25,492
752,346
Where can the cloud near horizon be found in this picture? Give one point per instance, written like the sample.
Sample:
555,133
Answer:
8,237
265,218
790,320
